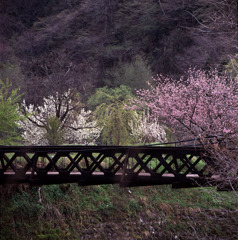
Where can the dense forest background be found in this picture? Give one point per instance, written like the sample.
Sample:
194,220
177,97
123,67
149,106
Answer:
52,45
92,55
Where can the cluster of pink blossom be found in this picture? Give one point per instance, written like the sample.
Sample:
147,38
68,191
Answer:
198,105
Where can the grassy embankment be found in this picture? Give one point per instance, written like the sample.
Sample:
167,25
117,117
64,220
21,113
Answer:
109,212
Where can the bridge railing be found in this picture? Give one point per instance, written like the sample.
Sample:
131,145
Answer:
100,164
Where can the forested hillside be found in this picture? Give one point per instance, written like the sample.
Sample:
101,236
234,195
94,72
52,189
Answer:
69,74
51,45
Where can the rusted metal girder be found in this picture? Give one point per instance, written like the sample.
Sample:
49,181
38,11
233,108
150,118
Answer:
93,165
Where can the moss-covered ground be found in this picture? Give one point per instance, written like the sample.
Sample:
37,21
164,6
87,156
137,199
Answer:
109,212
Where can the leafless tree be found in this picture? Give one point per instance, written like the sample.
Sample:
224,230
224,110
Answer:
224,155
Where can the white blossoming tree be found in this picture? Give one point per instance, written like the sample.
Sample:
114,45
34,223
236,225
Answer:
83,130
60,119
148,130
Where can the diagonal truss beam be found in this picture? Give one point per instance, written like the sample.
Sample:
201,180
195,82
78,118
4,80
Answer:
142,165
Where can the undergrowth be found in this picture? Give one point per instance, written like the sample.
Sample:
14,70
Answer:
68,211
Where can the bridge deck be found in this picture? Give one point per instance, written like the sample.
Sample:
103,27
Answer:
127,166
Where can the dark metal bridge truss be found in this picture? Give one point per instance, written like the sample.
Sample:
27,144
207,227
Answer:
127,166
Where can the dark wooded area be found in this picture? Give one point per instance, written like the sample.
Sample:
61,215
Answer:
48,46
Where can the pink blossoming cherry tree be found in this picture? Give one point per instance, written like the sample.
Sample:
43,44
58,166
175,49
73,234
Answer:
198,105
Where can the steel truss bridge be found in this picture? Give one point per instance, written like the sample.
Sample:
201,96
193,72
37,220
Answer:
94,165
